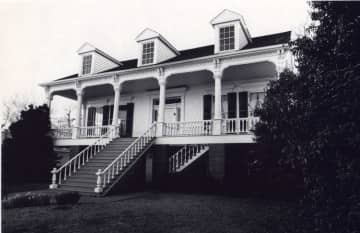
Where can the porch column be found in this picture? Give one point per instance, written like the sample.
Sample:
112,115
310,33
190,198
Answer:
116,109
217,108
161,112
79,94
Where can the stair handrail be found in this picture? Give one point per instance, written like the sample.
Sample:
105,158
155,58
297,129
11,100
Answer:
83,156
184,154
104,176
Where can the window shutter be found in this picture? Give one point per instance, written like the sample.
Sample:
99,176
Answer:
243,104
91,116
207,107
129,119
231,105
105,119
111,110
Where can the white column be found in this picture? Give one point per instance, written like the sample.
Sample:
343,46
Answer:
79,94
116,108
161,112
217,107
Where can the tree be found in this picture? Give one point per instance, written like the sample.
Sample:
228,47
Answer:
28,155
11,108
312,118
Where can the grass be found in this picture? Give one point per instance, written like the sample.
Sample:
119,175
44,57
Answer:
156,212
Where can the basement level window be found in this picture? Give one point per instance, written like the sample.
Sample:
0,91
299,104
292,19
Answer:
86,66
227,38
148,53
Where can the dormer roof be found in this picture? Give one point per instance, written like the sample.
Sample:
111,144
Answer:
226,16
148,34
87,47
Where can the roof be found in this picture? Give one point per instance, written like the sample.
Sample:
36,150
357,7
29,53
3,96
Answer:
257,42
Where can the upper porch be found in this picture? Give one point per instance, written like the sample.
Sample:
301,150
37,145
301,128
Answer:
207,100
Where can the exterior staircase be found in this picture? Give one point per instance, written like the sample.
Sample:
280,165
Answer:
84,180
97,168
186,156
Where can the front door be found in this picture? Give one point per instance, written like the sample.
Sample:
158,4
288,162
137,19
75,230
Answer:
126,115
171,114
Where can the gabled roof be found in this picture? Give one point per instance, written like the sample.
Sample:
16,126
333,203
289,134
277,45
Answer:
187,54
148,33
87,47
226,16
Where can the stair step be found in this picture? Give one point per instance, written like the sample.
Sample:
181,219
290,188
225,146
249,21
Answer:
77,189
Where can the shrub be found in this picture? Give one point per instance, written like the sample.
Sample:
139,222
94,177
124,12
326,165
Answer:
67,198
27,199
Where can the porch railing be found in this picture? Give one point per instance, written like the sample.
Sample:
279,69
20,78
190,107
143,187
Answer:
63,133
238,125
79,160
188,128
93,131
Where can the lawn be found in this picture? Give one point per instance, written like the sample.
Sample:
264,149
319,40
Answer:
156,212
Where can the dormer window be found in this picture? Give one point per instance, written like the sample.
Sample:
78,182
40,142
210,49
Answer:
86,66
148,53
227,38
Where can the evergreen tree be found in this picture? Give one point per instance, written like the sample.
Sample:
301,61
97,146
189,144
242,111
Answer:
312,118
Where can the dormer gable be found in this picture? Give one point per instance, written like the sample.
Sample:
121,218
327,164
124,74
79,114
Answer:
93,60
153,48
231,33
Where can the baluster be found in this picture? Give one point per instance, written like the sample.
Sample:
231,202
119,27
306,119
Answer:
117,167
65,173
112,172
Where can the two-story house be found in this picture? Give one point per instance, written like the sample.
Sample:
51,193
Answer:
166,108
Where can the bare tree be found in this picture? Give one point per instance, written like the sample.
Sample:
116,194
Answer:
11,109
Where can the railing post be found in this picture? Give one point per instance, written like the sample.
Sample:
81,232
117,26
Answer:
53,179
98,188
75,133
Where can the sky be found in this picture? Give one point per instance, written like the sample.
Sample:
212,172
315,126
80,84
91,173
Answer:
39,38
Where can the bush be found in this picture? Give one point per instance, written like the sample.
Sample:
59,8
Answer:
40,199
27,199
67,198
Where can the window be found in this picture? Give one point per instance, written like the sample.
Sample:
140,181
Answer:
148,53
256,100
86,66
227,38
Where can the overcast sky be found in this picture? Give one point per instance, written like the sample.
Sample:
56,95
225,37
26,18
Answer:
39,38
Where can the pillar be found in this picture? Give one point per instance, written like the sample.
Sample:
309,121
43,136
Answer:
217,107
79,94
115,116
161,112
217,163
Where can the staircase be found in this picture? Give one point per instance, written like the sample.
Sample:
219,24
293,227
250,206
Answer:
186,156
97,168
84,180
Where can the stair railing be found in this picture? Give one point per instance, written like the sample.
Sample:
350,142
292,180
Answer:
184,156
105,176
79,160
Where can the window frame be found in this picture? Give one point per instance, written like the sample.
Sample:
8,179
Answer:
86,64
227,42
148,57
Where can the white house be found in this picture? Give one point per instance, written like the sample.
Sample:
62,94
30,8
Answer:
198,100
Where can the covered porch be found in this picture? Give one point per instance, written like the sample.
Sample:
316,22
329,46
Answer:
194,103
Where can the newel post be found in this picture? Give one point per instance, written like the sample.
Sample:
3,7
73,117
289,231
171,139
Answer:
53,184
98,188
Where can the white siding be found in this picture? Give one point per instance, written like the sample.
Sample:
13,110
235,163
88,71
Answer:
101,63
162,52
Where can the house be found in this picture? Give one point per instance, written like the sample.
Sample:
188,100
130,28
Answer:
167,108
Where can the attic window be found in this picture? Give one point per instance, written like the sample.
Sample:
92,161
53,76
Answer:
86,66
227,38
148,53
